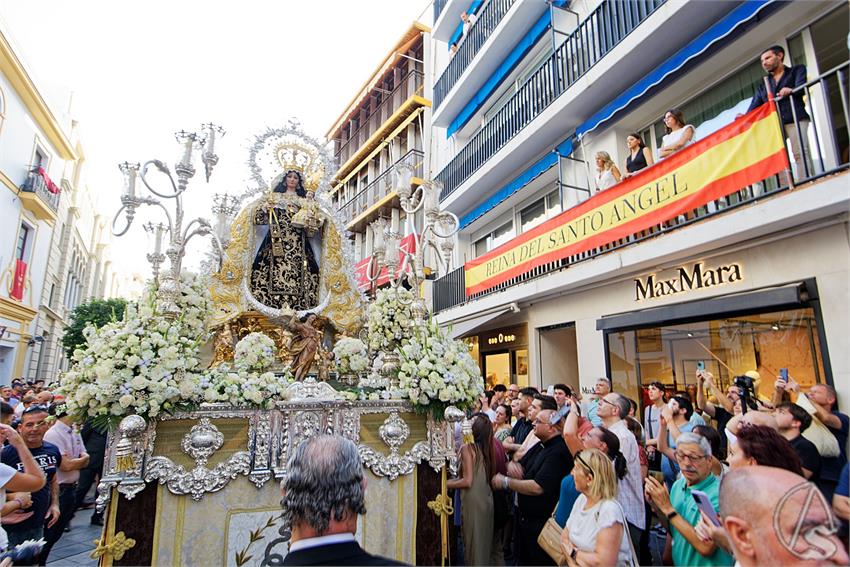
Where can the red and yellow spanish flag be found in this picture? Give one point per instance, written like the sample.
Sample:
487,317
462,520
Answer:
747,151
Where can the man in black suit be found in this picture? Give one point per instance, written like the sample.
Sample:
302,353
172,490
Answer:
323,493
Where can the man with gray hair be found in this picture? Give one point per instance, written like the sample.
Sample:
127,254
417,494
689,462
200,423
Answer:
613,409
693,453
323,493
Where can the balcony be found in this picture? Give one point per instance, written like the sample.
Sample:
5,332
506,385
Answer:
389,114
469,47
594,38
378,194
438,8
40,196
824,158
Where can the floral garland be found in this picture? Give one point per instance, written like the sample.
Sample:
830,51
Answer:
438,371
389,319
255,351
145,363
351,356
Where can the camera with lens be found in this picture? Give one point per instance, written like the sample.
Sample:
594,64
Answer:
748,392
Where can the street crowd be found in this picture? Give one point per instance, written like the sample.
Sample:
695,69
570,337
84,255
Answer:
48,464
708,477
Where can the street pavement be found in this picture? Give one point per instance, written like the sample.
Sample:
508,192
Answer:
75,547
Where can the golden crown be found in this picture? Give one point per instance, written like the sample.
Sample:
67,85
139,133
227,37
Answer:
303,159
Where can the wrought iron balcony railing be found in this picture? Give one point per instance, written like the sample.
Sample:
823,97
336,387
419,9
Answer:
597,35
36,183
380,187
410,84
823,154
469,46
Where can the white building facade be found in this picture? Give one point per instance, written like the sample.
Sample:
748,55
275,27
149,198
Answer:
53,243
755,280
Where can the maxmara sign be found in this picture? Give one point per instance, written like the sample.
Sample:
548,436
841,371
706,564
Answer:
686,278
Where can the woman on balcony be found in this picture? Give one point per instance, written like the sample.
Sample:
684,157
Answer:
679,134
639,155
607,174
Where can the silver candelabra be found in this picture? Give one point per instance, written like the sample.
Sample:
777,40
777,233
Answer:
178,235
437,233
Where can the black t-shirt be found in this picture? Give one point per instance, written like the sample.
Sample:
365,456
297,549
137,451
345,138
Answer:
48,458
722,417
831,466
547,463
521,429
809,456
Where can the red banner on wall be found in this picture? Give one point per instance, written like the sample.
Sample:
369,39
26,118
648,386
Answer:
19,281
740,154
408,243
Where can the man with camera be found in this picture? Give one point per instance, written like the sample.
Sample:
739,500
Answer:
721,412
824,400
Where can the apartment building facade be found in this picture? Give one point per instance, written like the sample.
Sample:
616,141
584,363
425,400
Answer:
383,126
53,243
753,280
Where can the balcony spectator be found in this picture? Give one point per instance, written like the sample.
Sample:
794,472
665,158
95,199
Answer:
823,399
792,421
639,155
502,425
679,134
477,467
679,508
783,80
468,21
760,523
607,174
453,49
596,531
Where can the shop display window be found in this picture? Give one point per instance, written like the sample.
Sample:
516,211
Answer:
727,347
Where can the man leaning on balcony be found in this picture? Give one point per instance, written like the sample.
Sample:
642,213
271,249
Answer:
783,80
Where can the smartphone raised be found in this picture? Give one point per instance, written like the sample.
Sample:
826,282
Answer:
700,365
704,504
783,373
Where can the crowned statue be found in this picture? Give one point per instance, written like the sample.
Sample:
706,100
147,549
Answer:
285,266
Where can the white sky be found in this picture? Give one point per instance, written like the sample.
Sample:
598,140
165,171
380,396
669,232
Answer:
140,71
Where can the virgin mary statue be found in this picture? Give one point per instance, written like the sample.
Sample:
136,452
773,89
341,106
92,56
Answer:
285,270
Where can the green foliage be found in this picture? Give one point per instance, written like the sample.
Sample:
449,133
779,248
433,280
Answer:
98,312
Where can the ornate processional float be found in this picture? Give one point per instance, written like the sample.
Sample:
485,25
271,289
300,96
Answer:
210,382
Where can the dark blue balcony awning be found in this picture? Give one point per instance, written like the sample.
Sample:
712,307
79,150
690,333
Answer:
530,174
719,34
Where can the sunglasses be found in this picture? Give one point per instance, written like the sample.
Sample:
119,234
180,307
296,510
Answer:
36,408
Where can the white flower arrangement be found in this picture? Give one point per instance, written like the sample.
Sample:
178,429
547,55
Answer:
146,363
389,319
351,356
229,384
255,351
437,371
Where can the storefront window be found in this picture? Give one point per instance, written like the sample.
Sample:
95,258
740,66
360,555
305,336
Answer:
727,348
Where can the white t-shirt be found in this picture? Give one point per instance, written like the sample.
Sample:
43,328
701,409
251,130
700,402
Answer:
675,137
6,474
584,526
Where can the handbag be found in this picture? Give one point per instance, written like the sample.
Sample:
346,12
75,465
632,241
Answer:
549,541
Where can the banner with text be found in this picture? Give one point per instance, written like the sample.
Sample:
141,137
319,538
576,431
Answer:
747,151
